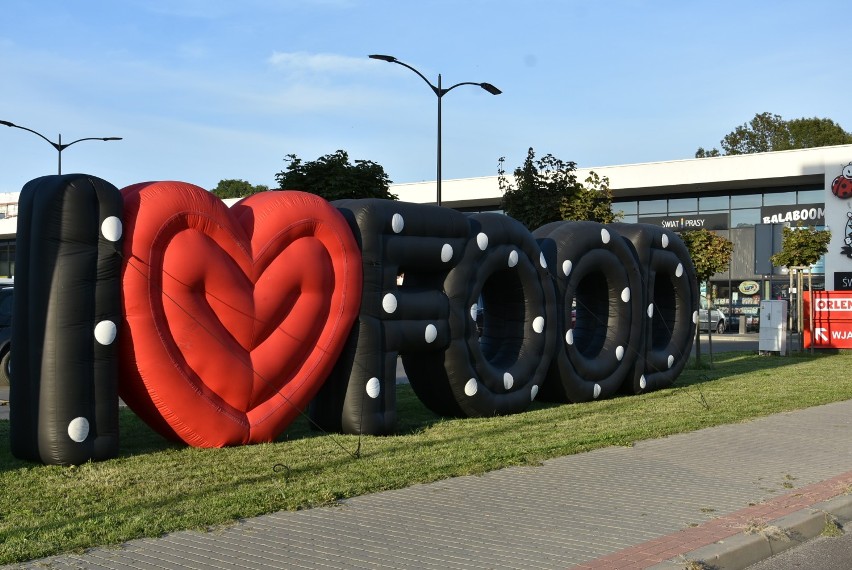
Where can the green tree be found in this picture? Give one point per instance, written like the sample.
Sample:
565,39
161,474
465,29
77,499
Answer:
546,190
710,253
701,153
541,186
769,132
801,246
815,132
592,201
334,178
235,188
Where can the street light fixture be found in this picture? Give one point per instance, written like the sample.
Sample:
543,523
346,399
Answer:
440,92
59,146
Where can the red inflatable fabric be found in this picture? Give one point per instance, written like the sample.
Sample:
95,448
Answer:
233,318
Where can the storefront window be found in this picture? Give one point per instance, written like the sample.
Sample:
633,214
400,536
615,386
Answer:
627,207
745,218
713,203
811,196
683,205
746,201
652,207
779,199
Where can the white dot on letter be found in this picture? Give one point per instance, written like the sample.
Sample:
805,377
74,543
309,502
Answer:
679,270
542,261
538,324
482,241
695,317
471,387
105,332
78,429
650,310
533,392
604,235
671,360
665,241
619,353
389,303
566,267
474,309
569,336
374,387
513,258
597,391
111,228
625,295
642,382
446,252
431,333
508,381
397,223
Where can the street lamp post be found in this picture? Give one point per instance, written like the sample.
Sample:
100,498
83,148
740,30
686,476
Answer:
59,146
440,92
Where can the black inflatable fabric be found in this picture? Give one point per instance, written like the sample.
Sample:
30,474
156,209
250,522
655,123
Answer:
498,366
421,244
63,398
670,305
599,293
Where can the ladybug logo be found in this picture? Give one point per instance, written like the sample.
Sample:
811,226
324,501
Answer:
842,185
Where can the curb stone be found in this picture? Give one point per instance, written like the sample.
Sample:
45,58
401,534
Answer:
742,550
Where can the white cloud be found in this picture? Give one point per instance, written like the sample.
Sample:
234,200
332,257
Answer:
320,63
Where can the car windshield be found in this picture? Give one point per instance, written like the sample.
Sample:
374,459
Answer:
6,306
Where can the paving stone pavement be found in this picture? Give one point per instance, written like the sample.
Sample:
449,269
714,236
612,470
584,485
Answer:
619,507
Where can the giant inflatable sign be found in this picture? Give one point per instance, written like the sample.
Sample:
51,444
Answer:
218,326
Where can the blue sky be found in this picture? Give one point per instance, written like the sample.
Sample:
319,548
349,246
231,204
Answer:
204,90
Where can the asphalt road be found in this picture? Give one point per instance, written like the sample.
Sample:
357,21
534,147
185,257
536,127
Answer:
822,553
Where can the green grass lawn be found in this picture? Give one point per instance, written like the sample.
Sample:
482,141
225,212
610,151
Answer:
155,487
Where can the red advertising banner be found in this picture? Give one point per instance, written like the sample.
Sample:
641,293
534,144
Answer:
832,319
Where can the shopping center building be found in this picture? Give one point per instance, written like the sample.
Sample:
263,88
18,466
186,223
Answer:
745,198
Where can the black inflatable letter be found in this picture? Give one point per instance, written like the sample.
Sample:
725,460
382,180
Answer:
64,403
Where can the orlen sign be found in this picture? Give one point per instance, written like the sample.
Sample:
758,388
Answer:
832,319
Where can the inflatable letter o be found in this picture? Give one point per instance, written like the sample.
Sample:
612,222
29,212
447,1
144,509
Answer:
498,366
599,293
670,305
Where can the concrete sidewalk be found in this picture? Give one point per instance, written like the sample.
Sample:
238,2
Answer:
719,494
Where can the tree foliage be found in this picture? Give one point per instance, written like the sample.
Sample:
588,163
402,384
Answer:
235,188
546,190
710,252
801,246
592,201
334,178
769,132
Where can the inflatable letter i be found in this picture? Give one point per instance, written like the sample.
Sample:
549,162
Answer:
67,311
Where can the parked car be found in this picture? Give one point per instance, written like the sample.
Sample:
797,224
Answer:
709,317
6,295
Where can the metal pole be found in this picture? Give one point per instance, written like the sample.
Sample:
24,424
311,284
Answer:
440,97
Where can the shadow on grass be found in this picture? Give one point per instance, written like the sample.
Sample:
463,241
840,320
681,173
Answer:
137,438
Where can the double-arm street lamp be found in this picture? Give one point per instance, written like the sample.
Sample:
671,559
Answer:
59,146
440,92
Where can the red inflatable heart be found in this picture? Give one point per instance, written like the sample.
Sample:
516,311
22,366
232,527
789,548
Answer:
233,318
